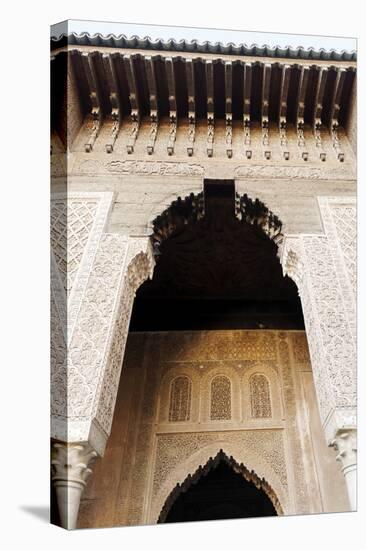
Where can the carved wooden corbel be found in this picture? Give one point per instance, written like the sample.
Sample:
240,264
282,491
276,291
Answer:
210,136
135,126
111,79
191,106
172,105
210,108
337,143
228,109
96,112
285,80
300,112
134,100
172,132
265,107
191,133
334,113
153,132
151,80
246,109
229,136
319,95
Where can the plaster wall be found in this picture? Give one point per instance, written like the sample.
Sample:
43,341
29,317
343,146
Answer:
147,455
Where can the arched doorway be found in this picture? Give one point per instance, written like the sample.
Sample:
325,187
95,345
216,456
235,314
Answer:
222,489
217,265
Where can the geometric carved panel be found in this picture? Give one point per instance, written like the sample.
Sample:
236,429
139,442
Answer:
220,398
260,396
344,218
180,399
71,224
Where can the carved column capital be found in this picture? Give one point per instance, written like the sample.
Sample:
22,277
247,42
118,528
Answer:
345,444
70,462
69,473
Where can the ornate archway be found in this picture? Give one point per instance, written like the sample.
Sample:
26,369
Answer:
221,248
254,496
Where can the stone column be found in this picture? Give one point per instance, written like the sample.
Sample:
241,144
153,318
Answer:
324,268
87,359
70,471
345,443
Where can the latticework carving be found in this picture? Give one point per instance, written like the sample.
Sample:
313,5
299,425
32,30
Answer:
179,213
179,454
260,397
329,314
256,213
202,471
71,224
220,398
97,343
180,399
346,226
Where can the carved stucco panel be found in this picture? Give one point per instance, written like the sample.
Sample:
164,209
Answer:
96,349
337,338
180,455
308,259
139,266
339,215
77,223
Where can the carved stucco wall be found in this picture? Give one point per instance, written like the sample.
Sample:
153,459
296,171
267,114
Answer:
148,454
90,313
324,269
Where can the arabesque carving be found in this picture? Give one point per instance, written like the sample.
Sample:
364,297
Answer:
202,471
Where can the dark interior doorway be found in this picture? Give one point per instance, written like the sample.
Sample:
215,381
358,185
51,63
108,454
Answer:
220,494
216,268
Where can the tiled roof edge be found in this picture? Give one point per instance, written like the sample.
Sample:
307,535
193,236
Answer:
122,41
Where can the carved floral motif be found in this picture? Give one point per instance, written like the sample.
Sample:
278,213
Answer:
260,396
180,399
220,398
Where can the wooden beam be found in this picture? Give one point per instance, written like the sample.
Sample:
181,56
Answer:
172,104
210,90
336,98
151,82
282,119
300,109
210,107
319,96
285,81
134,100
228,108
247,80
132,87
87,60
191,106
303,82
112,83
318,108
334,112
265,108
247,92
171,85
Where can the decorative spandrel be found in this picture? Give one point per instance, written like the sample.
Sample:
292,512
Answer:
220,398
180,399
260,397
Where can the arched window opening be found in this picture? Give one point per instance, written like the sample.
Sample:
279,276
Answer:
260,397
220,398
180,399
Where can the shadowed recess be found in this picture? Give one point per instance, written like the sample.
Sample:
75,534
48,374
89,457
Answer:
222,489
217,267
